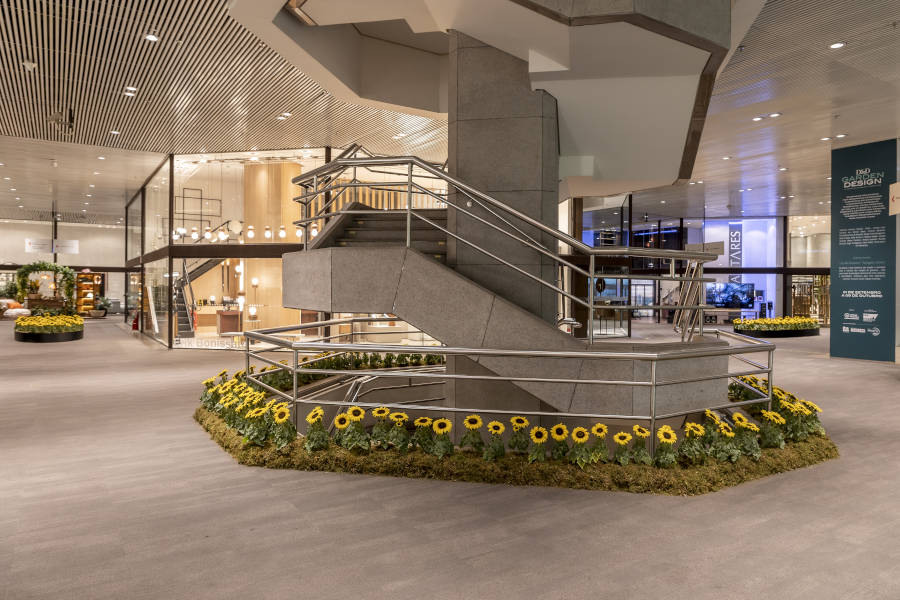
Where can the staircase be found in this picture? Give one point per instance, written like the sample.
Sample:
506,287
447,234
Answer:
379,229
183,305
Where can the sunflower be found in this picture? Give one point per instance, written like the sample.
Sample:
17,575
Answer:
496,427
694,430
256,412
222,373
747,425
314,416
725,429
739,418
442,426
641,432
281,415
341,421
559,432
538,435
811,406
666,436
773,417
600,430
472,422
580,435
356,413
712,416
622,438
209,382
422,422
519,423
399,418
381,412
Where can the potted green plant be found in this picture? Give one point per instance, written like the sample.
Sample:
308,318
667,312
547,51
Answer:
101,305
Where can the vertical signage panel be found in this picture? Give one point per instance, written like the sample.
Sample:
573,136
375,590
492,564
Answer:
863,255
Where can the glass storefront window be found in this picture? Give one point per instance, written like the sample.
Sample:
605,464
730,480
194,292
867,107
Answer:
133,231
809,240
155,300
157,207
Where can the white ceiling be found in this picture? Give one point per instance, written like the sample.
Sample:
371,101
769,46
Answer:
786,66
43,172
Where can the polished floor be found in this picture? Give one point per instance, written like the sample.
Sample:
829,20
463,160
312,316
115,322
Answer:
109,490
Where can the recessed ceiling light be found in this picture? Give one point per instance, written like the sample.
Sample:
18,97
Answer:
6,178
782,168
129,94
91,185
692,183
828,178
757,118
836,45
841,135
89,195
774,115
151,37
783,197
749,189
820,202
281,117
101,158
21,206
726,158
741,190
662,201
701,181
96,172
790,196
254,158
17,198
113,132
825,139
285,114
12,189
83,210
87,203
130,88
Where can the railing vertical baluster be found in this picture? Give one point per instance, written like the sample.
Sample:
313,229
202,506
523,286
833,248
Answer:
409,192
769,366
653,407
701,297
591,284
294,372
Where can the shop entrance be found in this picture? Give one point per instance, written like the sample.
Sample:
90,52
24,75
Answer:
810,297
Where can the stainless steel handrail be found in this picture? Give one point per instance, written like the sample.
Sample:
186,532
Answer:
746,345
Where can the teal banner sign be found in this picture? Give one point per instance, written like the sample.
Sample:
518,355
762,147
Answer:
863,251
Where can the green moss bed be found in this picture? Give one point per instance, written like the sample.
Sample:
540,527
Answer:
515,469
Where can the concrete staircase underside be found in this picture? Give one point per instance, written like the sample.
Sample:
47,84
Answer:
459,313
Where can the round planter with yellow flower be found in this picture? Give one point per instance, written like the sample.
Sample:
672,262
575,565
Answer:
47,329
778,327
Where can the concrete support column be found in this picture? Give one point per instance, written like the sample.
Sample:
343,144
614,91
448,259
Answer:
503,140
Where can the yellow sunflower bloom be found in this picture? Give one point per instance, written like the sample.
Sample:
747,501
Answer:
773,417
694,430
399,418
473,422
739,418
622,438
356,414
341,421
641,432
600,430
518,423
381,412
712,416
666,436
725,429
314,416
748,426
422,422
256,412
811,406
442,426
281,415
580,435
538,435
496,427
559,432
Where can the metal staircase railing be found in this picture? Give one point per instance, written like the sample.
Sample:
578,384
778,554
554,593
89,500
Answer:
322,187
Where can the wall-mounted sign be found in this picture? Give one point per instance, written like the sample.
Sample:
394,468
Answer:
65,246
735,249
863,251
42,245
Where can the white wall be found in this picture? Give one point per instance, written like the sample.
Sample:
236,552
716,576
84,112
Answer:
12,241
99,246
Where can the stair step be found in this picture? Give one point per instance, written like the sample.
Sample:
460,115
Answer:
395,224
423,246
393,234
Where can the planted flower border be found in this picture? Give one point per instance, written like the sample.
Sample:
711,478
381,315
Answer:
49,329
778,327
722,451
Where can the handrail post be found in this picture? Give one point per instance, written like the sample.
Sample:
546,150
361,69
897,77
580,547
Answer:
769,366
701,297
294,372
247,357
652,408
591,284
409,192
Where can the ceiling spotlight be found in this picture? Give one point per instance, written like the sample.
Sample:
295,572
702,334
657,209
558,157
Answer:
267,232
207,234
837,45
281,232
774,115
825,139
113,132
757,118
250,232
151,37
841,135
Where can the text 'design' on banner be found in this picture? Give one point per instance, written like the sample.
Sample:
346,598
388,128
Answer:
863,251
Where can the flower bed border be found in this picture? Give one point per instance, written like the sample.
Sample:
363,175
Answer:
47,338
777,333
515,470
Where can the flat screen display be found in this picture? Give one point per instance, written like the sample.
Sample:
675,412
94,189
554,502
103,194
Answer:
730,295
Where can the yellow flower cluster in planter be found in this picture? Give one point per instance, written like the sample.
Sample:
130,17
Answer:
48,324
776,324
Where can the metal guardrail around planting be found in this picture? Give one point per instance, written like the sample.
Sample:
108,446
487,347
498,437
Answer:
324,184
272,341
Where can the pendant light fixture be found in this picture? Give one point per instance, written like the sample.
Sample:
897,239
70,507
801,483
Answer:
250,232
281,232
